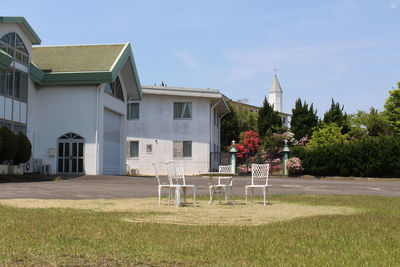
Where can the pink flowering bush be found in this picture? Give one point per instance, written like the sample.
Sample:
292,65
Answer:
293,166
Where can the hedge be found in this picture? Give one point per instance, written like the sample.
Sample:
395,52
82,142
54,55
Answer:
369,157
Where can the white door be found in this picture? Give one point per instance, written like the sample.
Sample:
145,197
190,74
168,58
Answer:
112,143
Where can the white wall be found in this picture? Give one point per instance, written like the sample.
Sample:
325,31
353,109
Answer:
56,110
156,126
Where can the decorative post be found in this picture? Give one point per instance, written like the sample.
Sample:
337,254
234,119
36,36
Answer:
232,159
285,157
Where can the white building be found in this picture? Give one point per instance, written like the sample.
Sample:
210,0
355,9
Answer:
69,100
171,123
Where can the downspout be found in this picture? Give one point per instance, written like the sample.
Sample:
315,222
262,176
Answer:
210,142
97,129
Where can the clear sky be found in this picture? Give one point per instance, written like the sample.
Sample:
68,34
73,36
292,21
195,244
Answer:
345,49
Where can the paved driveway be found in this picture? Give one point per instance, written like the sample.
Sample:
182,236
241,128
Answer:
90,187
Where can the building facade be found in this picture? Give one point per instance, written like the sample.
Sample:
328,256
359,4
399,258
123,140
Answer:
69,100
172,123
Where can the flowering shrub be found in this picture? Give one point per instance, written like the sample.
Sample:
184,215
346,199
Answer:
293,166
303,141
249,142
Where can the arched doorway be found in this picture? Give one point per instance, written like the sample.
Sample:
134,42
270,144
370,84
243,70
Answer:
70,153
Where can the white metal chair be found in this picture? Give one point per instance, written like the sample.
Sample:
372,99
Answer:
177,173
160,185
259,171
220,187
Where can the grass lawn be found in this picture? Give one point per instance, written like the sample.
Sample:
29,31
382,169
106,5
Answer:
343,230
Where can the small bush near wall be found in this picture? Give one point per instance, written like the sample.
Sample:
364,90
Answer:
9,146
24,149
14,149
369,157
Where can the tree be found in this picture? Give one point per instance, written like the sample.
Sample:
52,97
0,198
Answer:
373,123
327,134
392,109
9,145
268,119
304,119
247,119
335,115
229,128
24,149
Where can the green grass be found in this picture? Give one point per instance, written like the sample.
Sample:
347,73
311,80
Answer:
84,237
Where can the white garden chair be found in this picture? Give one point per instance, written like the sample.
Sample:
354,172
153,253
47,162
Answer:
221,187
177,173
261,172
161,185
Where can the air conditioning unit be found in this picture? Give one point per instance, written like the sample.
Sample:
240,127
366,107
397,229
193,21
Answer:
33,166
28,167
46,169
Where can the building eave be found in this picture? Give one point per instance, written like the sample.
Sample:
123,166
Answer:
34,38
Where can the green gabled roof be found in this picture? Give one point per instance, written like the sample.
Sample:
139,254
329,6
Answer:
5,60
21,20
81,64
76,58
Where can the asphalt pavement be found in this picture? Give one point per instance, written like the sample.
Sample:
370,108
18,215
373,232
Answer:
97,187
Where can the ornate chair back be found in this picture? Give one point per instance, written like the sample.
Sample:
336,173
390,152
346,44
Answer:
259,171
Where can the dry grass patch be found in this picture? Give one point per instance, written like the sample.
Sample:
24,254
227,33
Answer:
147,210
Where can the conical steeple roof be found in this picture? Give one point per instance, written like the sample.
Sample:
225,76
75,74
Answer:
275,86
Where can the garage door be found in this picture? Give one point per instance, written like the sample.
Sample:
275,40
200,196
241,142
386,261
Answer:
112,143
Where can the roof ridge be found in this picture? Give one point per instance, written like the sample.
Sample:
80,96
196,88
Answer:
76,45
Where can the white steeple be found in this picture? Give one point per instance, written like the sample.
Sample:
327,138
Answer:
275,95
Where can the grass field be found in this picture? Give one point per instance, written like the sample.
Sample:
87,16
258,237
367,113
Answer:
339,230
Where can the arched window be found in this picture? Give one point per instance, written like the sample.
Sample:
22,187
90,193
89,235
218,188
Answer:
115,89
13,45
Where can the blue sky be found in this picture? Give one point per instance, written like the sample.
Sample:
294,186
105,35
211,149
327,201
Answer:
345,49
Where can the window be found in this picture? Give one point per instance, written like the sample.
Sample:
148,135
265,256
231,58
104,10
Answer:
115,89
182,110
149,148
134,149
3,79
9,82
133,111
182,149
11,43
14,82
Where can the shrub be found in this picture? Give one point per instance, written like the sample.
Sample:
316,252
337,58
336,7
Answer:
9,146
371,156
293,166
24,149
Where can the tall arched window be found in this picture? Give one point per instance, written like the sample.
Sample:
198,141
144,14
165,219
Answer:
13,45
14,82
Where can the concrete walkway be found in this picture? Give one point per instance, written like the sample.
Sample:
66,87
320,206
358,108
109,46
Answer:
92,187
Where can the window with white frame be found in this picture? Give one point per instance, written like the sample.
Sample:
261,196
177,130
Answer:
134,149
182,110
149,148
133,111
182,149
